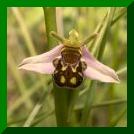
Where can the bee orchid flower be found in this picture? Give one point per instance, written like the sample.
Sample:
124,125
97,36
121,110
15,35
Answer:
93,69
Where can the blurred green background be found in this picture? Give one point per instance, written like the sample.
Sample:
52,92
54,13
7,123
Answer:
26,36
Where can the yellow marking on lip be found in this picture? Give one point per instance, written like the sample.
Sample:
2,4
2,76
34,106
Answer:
73,69
73,80
64,68
62,79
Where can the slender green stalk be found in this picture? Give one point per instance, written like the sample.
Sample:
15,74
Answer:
50,23
18,78
38,118
24,30
36,109
72,101
98,29
26,34
57,37
90,38
100,42
104,104
61,106
41,118
122,70
122,12
64,104
105,32
32,115
88,104
115,64
109,103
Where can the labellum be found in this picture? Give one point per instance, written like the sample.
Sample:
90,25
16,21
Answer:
69,68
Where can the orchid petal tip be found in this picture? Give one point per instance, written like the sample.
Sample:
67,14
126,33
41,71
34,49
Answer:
20,65
118,80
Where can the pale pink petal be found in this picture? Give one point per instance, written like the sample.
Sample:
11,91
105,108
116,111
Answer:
43,68
45,57
100,71
97,75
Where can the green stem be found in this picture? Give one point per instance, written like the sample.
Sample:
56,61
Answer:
57,37
24,30
61,106
72,101
50,23
36,109
104,104
100,42
90,38
32,115
97,30
122,12
64,104
88,104
122,70
109,103
115,65
105,32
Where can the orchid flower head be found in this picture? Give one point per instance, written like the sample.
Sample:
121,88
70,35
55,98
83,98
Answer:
44,63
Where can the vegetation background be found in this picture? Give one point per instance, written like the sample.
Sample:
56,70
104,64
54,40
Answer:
30,95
